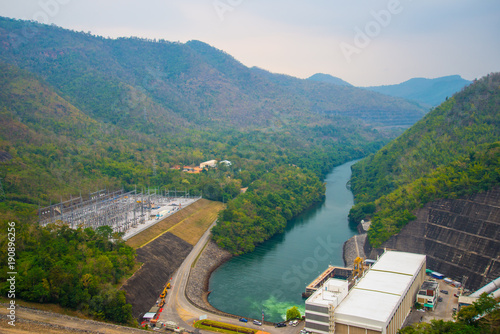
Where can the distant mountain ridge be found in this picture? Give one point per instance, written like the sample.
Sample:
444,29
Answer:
429,92
329,79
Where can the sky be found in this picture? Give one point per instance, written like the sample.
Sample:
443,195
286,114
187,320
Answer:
365,42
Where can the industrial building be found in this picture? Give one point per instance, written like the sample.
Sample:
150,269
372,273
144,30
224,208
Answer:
379,302
428,294
322,302
330,272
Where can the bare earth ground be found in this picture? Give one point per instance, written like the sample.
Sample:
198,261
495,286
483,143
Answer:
164,248
30,320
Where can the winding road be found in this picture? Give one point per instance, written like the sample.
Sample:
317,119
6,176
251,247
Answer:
179,310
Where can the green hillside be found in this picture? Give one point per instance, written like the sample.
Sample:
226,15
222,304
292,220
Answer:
156,86
81,112
453,151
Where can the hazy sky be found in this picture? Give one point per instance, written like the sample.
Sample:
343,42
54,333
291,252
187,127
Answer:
365,42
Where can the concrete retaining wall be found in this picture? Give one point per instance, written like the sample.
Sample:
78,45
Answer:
460,237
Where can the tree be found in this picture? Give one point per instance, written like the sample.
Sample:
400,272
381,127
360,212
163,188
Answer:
472,313
438,327
292,313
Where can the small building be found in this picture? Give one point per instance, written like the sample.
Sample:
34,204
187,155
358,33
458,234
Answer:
210,163
226,162
321,304
466,301
428,294
192,170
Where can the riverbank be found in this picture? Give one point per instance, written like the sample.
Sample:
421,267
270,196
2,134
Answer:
353,248
211,258
272,278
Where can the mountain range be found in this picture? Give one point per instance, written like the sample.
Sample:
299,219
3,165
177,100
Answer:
427,92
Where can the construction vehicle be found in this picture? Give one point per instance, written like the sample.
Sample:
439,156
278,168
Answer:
358,267
164,293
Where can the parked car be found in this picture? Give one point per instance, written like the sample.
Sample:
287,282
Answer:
243,320
257,322
280,324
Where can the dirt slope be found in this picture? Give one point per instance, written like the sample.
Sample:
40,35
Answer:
161,257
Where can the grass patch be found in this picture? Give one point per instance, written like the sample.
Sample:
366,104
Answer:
166,224
192,228
199,254
221,327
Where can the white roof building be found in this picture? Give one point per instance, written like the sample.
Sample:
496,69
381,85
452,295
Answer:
209,163
383,297
321,304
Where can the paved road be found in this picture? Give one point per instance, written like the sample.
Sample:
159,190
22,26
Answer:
182,312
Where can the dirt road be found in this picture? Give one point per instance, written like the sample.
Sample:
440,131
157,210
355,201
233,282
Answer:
182,312
36,321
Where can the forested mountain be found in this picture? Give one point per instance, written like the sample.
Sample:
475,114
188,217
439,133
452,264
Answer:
328,79
116,79
453,151
79,110
80,113
428,92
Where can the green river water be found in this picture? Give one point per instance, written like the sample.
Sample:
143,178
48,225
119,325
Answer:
273,277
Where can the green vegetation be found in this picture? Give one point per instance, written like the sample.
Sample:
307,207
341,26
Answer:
438,327
452,152
265,208
483,316
80,113
475,314
221,327
293,313
78,269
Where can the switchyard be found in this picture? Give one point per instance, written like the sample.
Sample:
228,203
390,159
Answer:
120,210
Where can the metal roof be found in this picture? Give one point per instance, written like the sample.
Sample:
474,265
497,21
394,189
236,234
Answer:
373,301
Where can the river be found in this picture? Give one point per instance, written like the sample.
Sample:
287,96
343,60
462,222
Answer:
272,278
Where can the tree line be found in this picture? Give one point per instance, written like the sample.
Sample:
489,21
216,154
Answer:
264,209
76,268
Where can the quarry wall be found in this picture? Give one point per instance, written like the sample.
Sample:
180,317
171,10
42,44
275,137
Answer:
461,237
